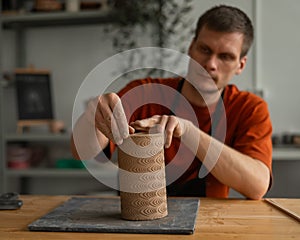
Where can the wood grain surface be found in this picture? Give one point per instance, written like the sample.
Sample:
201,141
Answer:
217,219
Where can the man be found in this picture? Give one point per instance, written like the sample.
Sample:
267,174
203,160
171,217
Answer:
222,39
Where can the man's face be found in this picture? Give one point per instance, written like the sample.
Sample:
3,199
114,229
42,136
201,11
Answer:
219,54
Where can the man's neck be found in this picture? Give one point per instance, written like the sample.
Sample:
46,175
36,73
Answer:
197,99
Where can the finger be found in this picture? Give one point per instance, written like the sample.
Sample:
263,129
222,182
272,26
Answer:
138,127
103,116
103,123
99,114
145,124
105,130
116,119
121,120
160,126
117,138
95,117
131,130
91,110
172,124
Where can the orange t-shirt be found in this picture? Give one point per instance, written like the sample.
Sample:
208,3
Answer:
248,125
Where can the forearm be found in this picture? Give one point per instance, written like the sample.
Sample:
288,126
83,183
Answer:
234,169
86,140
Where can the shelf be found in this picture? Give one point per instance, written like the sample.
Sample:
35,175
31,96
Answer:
20,23
63,18
279,153
34,137
48,172
286,153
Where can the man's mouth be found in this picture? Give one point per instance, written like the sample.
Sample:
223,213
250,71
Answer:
214,79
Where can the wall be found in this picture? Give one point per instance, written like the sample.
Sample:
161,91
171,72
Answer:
278,61
278,51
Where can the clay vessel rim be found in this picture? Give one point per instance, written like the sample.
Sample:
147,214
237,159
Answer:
142,134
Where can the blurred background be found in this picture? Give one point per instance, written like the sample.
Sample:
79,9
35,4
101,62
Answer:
70,38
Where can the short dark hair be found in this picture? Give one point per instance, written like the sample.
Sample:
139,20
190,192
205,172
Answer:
229,19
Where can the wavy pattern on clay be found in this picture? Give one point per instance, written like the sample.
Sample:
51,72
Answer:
142,180
137,207
158,193
142,187
142,146
145,141
130,163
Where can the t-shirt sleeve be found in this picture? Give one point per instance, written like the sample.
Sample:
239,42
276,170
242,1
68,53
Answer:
254,132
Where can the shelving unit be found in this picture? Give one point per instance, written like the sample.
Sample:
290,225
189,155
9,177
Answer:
20,23
41,171
47,173
36,137
285,153
26,20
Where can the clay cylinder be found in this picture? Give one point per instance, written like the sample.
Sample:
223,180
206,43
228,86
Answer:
142,177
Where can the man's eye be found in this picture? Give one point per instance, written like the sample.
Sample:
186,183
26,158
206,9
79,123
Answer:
204,50
226,57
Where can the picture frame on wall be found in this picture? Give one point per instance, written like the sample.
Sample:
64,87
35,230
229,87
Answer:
34,99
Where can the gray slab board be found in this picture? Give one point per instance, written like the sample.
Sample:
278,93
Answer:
83,214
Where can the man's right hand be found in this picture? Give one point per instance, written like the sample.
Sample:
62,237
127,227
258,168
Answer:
107,113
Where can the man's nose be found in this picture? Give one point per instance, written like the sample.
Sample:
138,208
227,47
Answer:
210,63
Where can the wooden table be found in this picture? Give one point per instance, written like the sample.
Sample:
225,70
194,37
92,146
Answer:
217,219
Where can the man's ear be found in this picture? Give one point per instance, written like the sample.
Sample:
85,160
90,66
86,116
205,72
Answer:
242,66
